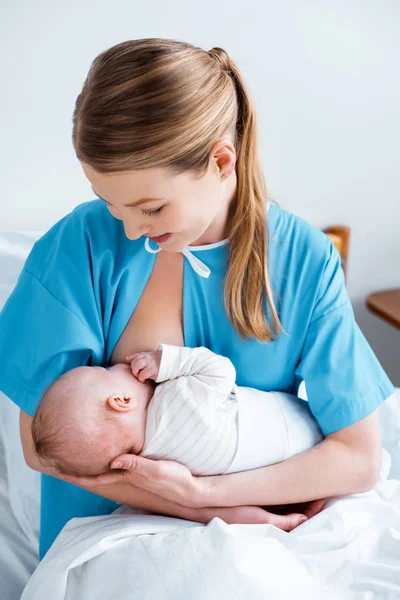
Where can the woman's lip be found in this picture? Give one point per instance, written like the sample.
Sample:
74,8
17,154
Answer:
161,238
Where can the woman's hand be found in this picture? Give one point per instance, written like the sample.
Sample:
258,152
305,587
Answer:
168,479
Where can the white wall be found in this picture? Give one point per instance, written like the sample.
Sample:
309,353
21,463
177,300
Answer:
325,79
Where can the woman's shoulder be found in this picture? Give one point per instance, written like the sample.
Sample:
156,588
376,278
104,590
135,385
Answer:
83,221
79,238
288,225
297,240
304,263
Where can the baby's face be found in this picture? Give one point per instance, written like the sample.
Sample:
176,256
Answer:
103,413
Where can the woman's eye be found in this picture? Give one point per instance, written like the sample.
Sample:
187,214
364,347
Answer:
144,212
152,212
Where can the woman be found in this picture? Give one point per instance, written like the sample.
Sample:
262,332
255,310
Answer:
166,133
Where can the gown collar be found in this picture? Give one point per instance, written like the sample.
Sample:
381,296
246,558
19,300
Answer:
198,266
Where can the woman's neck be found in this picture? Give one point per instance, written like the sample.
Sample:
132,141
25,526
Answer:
220,227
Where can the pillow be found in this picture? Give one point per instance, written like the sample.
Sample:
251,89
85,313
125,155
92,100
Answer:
23,483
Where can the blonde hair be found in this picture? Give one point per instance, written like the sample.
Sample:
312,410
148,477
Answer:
163,103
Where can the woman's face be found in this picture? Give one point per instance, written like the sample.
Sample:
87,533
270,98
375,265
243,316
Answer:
193,210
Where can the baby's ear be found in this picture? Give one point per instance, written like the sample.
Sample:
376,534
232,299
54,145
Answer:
121,403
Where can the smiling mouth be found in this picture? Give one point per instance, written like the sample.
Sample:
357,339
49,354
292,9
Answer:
161,238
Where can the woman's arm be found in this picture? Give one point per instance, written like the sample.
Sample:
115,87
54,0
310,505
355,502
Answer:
136,497
348,461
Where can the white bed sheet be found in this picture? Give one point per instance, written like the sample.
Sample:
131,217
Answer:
351,550
352,547
18,555
19,485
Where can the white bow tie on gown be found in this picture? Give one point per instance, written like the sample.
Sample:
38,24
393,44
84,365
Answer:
197,265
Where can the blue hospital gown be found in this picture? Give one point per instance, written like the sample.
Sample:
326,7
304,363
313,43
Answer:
84,277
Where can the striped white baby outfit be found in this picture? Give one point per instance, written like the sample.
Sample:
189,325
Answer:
192,416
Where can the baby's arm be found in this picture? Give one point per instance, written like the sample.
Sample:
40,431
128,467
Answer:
214,371
206,377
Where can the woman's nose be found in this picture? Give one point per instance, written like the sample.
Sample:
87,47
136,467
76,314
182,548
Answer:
133,233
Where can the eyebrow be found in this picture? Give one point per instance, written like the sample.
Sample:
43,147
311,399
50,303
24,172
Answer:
137,203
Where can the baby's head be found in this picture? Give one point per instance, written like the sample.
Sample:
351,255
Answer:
89,416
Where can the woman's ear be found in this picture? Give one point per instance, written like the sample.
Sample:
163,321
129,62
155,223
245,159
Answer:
121,403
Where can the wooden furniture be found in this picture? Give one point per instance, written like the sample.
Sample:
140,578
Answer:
340,236
386,304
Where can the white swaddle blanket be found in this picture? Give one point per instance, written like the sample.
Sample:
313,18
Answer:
199,417
272,426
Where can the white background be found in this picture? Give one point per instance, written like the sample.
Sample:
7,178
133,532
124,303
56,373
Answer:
325,78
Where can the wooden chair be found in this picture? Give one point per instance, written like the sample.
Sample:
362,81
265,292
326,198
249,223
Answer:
340,236
386,305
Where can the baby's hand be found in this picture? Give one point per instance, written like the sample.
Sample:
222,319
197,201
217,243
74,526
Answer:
145,365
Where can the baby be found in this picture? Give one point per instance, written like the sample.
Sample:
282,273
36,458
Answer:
196,415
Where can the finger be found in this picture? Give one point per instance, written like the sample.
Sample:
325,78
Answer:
128,462
147,373
139,374
138,356
137,366
138,464
286,522
139,362
143,375
135,354
315,507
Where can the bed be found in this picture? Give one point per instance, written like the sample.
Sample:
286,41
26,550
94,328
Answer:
351,550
